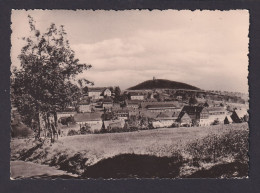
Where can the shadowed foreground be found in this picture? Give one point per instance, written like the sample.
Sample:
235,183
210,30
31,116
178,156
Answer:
131,165
145,166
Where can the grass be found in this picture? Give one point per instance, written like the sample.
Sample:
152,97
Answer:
77,153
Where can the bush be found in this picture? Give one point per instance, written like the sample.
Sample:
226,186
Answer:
216,122
84,130
232,145
72,132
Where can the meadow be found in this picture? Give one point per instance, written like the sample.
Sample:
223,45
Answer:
195,148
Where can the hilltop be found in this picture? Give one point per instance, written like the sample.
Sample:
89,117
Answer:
162,84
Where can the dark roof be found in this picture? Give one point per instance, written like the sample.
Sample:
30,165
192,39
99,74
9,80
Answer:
82,117
96,89
229,118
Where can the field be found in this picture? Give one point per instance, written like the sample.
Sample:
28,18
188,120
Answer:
81,153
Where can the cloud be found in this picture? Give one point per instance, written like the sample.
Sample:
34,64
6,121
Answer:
194,59
207,49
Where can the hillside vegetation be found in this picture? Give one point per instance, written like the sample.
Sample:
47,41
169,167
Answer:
190,150
162,84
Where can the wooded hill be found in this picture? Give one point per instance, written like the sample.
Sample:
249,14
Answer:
162,84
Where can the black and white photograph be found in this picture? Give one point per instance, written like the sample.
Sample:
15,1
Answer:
130,94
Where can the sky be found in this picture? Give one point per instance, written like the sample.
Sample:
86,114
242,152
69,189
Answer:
207,49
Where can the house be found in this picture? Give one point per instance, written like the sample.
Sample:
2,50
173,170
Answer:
163,120
209,115
107,103
64,114
228,120
84,106
133,104
192,111
184,119
67,112
216,113
93,120
133,111
95,92
205,116
121,114
239,116
175,112
99,92
136,96
162,107
106,92
114,124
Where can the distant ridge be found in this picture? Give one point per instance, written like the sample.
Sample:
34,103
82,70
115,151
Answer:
162,84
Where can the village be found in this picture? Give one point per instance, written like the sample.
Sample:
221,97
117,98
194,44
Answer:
107,109
165,97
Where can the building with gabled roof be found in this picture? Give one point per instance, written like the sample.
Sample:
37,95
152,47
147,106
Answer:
121,114
114,124
133,104
239,116
99,92
163,120
66,113
93,120
84,106
136,96
228,120
107,103
184,119
204,116
192,111
162,107
87,117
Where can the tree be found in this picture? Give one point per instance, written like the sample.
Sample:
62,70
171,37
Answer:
117,94
46,80
193,101
82,85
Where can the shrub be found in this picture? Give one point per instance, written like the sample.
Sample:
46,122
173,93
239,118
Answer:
84,130
232,145
72,132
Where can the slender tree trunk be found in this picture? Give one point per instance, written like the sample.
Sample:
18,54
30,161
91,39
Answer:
46,126
39,126
55,118
49,126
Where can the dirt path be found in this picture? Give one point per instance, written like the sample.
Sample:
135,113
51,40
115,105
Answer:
21,170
